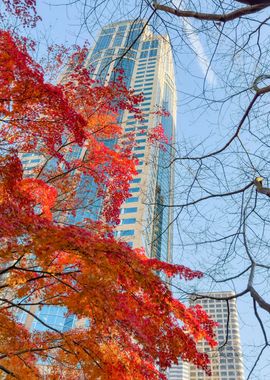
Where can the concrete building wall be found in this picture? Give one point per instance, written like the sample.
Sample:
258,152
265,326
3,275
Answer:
227,363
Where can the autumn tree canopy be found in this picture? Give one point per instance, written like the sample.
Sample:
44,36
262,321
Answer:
135,327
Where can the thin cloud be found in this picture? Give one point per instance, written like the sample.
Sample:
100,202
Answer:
202,59
197,46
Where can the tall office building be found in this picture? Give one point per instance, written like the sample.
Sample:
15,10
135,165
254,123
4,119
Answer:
226,359
179,371
148,66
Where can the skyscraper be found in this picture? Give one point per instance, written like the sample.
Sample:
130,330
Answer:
148,67
179,371
226,359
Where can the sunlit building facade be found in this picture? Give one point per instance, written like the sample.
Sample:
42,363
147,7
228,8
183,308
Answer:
179,371
148,66
226,359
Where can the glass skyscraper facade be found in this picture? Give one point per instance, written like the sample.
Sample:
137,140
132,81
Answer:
148,67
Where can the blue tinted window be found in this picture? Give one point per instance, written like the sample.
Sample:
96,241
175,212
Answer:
136,180
130,210
134,190
52,316
129,221
141,141
153,53
28,154
139,171
127,233
122,28
132,199
139,148
146,45
131,122
129,129
108,31
133,36
109,52
118,40
127,65
139,155
144,54
102,43
154,44
141,134
103,69
150,71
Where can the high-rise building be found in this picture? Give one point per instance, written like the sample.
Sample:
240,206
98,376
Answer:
179,371
148,67
226,359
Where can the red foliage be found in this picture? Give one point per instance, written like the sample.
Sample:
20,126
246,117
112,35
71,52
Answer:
135,322
25,10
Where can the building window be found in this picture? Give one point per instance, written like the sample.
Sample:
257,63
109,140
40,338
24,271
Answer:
127,233
139,155
139,147
122,28
108,31
146,45
128,210
52,315
134,190
102,43
136,180
128,221
141,134
132,199
118,40
129,129
154,44
141,141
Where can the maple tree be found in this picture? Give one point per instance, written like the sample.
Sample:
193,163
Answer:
136,327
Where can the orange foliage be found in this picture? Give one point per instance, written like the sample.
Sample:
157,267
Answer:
137,328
